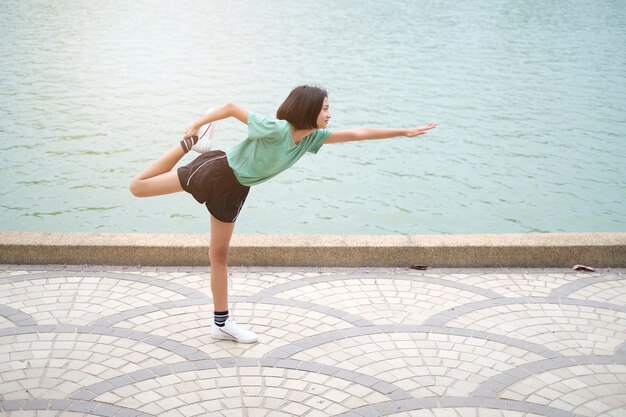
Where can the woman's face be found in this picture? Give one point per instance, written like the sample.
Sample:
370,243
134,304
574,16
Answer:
324,117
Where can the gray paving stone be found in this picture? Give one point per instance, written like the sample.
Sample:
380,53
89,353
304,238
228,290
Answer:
484,392
8,332
349,414
289,364
280,354
347,375
269,362
144,310
247,362
121,381
307,343
85,394
12,405
384,387
60,404
429,402
200,365
185,351
81,406
141,375
221,362
539,409
290,349
116,318
451,402
386,408
108,331
493,403
65,328
519,373
195,356
101,387
169,345
561,413
105,410
368,411
309,367
155,340
417,403
398,395
125,412
366,380
27,329
520,406
470,401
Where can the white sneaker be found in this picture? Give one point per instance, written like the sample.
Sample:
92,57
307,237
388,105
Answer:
205,137
233,331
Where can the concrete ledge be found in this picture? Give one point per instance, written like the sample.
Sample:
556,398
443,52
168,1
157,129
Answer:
463,251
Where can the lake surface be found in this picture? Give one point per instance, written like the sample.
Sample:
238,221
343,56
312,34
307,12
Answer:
529,96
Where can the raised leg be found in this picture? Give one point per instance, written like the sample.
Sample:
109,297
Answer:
158,178
221,233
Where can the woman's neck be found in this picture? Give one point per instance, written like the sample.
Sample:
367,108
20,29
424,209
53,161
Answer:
298,135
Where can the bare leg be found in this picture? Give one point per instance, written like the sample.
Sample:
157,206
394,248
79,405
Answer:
221,233
158,178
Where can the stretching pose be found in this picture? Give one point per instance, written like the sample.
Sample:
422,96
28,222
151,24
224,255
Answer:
221,180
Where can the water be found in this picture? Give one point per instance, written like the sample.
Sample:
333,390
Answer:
529,97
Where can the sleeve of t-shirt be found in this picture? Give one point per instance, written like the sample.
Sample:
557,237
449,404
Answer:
260,126
316,140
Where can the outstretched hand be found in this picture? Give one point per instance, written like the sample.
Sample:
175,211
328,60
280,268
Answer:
416,131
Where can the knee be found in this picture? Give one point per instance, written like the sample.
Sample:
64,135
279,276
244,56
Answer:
218,255
135,187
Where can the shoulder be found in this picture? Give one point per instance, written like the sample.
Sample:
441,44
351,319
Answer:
316,139
260,125
262,119
321,134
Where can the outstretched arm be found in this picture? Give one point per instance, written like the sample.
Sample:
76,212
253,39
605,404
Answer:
369,133
218,113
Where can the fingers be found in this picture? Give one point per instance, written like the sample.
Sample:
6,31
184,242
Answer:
190,132
428,127
418,131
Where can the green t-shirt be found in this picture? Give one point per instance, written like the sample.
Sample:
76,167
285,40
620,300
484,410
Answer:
269,149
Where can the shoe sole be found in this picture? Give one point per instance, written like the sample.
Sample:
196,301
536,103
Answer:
205,130
231,338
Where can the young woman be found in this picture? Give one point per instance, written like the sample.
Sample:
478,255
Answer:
221,180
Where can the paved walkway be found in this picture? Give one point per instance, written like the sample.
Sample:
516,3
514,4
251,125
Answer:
117,341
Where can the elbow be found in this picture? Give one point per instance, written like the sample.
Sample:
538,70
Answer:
234,110
229,108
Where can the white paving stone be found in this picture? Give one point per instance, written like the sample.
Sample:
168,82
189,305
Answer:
385,301
63,370
562,328
574,390
422,355
59,301
48,365
613,292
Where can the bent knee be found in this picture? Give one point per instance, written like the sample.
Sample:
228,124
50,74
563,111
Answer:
135,188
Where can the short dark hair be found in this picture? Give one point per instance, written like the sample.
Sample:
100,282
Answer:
302,106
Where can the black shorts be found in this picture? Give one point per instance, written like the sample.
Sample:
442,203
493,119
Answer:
210,180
